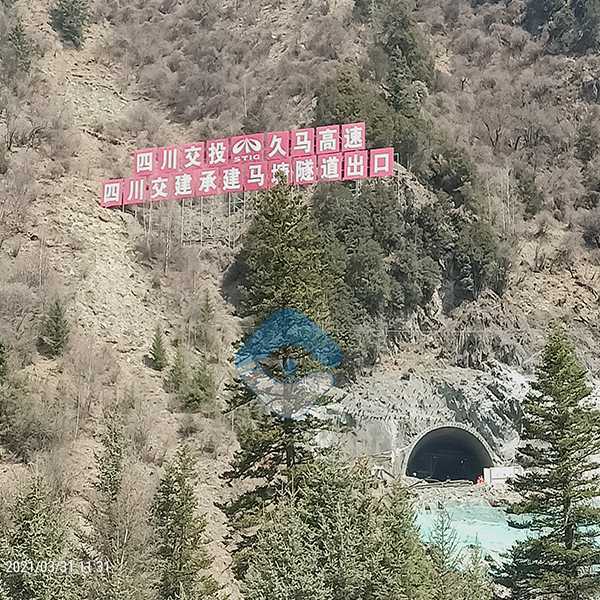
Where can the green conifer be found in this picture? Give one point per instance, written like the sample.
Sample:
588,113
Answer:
181,550
283,261
21,45
35,537
158,352
204,332
111,539
177,377
110,460
199,395
446,559
477,583
272,448
336,538
55,330
561,482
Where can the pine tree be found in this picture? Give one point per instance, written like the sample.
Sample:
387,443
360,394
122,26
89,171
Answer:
477,583
272,448
402,563
446,559
199,395
560,436
55,330
3,362
283,565
108,483
111,538
177,377
284,265
180,534
338,539
22,47
282,260
402,40
204,332
70,18
158,352
36,537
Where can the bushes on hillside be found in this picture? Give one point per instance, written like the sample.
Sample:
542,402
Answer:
32,418
70,18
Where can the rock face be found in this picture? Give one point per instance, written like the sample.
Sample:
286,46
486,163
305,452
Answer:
390,409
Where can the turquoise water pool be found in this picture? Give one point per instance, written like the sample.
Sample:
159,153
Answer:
475,525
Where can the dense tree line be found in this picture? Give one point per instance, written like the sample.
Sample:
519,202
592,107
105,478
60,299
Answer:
341,536
561,432
358,262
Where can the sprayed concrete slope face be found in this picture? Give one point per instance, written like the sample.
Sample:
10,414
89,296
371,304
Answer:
391,409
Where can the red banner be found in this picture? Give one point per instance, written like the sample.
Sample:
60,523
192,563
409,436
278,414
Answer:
249,163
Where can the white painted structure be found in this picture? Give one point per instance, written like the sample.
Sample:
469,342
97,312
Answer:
494,476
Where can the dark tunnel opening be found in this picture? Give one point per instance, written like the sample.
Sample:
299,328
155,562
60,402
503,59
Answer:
446,454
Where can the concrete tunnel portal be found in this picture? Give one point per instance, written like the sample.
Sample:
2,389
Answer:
448,453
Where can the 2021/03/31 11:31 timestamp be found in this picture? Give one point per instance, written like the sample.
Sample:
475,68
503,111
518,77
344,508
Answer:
72,567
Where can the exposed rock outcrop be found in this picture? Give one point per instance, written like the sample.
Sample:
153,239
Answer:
390,408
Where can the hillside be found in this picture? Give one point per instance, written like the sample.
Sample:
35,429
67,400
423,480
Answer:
442,285
89,256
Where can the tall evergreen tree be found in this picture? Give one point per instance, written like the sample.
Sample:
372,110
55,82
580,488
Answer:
110,461
36,537
457,574
177,377
271,450
560,437
181,550
282,260
55,330
199,394
284,265
204,332
446,559
158,352
477,582
402,40
21,45
111,538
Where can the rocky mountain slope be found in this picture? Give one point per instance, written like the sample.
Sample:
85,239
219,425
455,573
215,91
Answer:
439,369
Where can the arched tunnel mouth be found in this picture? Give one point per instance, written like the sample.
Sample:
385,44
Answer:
448,454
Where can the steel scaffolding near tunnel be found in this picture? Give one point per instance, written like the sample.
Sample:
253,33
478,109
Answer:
449,452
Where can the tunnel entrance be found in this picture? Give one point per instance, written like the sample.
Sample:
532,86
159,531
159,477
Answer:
448,453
